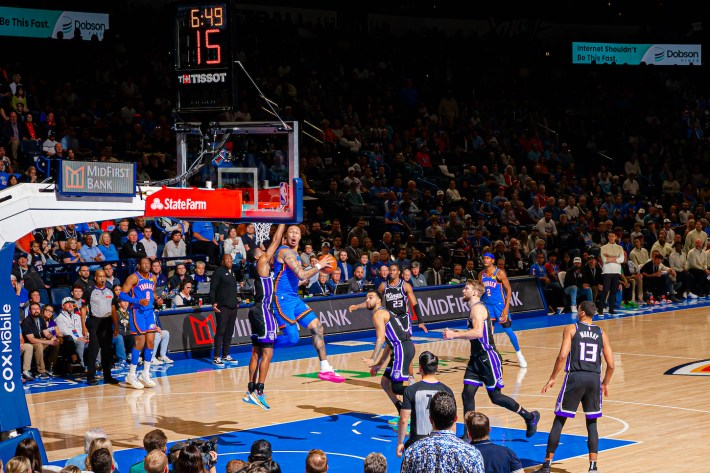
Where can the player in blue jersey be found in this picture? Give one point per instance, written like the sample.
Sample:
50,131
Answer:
485,367
497,300
263,323
290,309
139,290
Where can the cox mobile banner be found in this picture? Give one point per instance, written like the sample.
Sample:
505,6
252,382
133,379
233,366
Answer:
29,23
14,413
635,54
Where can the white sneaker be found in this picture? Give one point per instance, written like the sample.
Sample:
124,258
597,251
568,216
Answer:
167,360
156,361
132,381
692,296
574,310
146,380
521,359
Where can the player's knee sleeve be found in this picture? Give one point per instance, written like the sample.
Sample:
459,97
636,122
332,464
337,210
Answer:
468,396
398,387
500,399
592,436
553,440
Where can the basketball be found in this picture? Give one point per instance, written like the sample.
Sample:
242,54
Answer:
328,263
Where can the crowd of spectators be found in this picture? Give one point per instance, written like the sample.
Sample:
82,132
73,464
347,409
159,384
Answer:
426,166
411,164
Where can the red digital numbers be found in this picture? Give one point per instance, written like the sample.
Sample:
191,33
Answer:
216,47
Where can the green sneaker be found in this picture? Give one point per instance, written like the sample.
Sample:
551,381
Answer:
633,305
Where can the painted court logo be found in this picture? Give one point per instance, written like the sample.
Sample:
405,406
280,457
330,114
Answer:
695,368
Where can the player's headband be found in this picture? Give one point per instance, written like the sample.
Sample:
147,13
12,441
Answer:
489,255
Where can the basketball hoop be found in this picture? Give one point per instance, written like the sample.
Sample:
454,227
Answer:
263,229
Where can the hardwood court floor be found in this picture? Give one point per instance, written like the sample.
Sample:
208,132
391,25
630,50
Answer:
668,415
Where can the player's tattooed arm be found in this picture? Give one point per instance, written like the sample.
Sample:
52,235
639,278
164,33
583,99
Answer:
377,352
295,265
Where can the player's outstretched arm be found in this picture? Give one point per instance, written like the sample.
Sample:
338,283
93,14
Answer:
478,318
609,358
561,357
354,307
275,242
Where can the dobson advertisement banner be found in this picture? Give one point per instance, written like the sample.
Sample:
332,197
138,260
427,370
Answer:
197,328
31,23
193,203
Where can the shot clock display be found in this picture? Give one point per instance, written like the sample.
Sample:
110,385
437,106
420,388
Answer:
203,57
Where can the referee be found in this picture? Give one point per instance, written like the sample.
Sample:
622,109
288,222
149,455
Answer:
102,326
415,402
224,294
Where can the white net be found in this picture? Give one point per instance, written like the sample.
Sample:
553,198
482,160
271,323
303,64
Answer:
263,230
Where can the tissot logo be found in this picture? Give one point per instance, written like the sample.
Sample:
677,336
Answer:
215,78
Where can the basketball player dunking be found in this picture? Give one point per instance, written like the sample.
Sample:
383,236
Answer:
290,309
497,300
393,338
484,366
263,323
583,345
139,290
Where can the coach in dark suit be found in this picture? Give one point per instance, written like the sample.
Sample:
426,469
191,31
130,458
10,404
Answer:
357,282
132,249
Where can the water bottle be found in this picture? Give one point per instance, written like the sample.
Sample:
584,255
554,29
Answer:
651,300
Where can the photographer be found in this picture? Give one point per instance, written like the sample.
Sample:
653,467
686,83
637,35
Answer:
191,458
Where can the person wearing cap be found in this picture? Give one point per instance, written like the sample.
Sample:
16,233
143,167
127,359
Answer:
49,144
72,327
670,233
640,214
576,283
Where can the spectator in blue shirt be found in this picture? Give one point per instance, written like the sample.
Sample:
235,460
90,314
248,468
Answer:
107,248
203,241
442,450
496,458
90,253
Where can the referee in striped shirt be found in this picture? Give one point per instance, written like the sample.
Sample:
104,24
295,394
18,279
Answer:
102,326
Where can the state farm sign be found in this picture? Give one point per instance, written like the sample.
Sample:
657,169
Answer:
193,203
